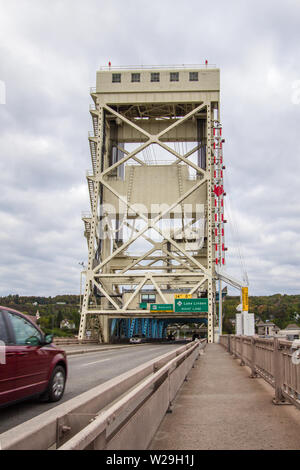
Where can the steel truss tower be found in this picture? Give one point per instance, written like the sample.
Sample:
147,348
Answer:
156,223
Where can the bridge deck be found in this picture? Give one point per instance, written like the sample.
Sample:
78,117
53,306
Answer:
221,407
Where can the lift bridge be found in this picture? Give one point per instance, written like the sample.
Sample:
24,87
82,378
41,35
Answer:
155,233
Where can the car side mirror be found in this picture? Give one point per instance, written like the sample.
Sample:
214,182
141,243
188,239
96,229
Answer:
48,339
32,341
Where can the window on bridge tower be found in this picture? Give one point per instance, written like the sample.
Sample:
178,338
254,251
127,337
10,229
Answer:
154,76
116,78
174,76
194,77
135,77
149,298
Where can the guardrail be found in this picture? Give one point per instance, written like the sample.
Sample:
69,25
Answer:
65,340
275,360
123,413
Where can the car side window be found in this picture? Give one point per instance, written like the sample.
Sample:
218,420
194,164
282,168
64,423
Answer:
3,330
23,329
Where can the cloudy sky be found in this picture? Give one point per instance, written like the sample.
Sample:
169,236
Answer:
49,54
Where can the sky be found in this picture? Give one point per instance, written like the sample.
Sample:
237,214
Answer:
49,55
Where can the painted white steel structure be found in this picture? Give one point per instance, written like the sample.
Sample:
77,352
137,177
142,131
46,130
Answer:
156,193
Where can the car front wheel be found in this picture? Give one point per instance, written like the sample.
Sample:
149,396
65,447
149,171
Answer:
57,384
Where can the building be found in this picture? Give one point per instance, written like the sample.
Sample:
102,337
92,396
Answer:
67,324
291,332
267,329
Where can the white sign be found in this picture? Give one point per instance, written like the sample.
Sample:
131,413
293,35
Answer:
238,324
248,324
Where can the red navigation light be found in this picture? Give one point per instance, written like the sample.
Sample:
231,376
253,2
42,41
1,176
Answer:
218,190
109,63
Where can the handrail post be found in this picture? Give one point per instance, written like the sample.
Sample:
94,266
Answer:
228,346
234,347
253,358
278,399
242,363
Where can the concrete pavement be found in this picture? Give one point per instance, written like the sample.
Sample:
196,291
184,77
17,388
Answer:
221,407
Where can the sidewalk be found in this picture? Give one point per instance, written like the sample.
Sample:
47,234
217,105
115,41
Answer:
221,407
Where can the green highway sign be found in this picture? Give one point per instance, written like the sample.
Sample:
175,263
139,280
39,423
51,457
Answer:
191,305
161,308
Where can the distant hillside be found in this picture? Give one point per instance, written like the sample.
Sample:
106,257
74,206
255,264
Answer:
281,309
52,310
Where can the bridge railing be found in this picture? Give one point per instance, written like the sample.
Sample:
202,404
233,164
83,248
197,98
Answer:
275,360
122,413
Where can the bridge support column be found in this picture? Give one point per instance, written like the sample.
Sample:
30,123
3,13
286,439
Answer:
105,328
278,375
210,258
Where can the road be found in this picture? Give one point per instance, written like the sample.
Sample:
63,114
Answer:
85,371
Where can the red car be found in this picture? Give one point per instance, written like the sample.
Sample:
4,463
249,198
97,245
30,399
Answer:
30,365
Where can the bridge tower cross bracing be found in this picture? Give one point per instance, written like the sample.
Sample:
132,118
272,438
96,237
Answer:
152,229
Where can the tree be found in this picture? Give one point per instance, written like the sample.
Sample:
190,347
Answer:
59,318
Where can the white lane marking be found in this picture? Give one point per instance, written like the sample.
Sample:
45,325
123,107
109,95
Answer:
95,362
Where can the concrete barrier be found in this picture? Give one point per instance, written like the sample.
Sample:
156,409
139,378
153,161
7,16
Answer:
122,413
